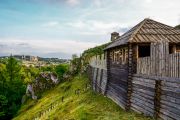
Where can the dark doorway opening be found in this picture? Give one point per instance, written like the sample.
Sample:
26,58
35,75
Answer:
144,50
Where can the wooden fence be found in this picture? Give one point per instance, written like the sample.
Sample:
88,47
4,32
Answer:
170,99
151,95
156,96
171,66
97,71
98,61
98,79
160,63
143,93
155,87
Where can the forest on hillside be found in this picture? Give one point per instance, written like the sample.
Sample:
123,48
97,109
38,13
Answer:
14,77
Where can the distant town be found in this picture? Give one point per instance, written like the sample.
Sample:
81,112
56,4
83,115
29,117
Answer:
37,61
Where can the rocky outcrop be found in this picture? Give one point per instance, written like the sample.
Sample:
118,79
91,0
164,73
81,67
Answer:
44,81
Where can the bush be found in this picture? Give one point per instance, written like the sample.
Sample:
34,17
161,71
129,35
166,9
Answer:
61,70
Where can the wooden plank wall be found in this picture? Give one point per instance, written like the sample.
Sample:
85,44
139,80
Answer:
146,96
155,87
170,99
97,72
98,78
143,66
98,61
160,63
174,65
117,87
142,99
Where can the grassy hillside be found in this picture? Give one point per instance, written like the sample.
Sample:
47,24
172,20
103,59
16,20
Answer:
85,106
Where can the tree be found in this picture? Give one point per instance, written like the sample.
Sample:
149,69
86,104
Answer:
74,56
177,27
3,105
61,70
2,77
12,88
13,69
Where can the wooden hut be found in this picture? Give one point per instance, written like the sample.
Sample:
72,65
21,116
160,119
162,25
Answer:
147,45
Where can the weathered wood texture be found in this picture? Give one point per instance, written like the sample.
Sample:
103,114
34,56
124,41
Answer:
170,99
118,76
162,100
97,72
160,63
154,90
156,96
98,61
143,93
98,78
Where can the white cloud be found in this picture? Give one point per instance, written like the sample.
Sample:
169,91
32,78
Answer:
51,24
148,1
94,27
73,2
21,46
98,3
92,20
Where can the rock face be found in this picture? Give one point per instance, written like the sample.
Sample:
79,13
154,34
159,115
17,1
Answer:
44,81
30,91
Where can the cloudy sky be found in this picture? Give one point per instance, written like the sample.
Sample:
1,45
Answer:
59,28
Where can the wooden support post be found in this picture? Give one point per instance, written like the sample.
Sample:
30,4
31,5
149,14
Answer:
101,79
135,57
157,99
92,75
129,81
96,80
108,71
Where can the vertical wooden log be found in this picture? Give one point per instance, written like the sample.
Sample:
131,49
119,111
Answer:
178,65
135,58
96,80
173,70
100,81
156,60
167,59
157,99
151,57
130,72
108,71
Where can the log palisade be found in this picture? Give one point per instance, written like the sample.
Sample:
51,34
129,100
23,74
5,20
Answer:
140,70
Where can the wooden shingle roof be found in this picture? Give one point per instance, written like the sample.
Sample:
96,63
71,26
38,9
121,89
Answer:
148,31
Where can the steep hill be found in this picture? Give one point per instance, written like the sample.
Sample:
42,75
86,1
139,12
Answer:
74,100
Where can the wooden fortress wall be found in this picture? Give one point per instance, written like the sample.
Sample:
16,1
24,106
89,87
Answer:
154,90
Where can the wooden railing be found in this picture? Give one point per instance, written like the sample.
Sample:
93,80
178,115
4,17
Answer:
169,67
174,65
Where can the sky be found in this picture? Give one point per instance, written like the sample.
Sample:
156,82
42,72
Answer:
60,28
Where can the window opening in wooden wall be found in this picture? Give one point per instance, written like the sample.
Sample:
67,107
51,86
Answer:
170,49
144,50
119,56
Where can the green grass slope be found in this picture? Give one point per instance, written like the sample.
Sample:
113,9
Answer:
88,105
